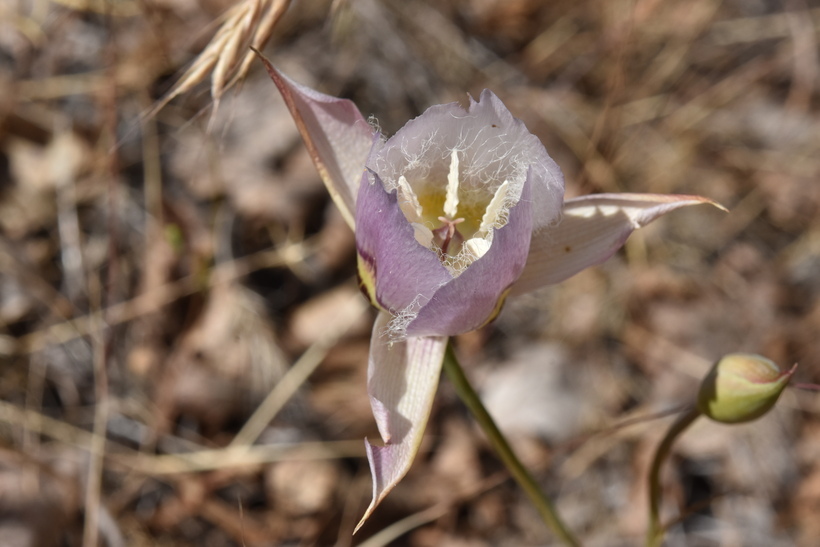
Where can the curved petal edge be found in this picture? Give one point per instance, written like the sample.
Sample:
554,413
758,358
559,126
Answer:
402,381
591,230
336,135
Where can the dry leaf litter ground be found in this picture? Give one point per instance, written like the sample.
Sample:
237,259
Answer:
182,344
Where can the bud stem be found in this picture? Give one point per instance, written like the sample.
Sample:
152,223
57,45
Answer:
523,477
655,532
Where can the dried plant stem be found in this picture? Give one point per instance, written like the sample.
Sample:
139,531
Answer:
470,398
655,532
97,448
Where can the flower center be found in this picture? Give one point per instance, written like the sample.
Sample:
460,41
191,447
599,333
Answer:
447,234
463,233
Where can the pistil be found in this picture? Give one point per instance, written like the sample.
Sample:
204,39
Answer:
447,233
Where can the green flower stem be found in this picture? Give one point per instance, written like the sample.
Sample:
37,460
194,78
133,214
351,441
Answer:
470,398
655,532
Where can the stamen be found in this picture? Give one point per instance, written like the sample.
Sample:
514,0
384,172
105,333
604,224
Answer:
495,208
477,246
451,201
410,203
423,234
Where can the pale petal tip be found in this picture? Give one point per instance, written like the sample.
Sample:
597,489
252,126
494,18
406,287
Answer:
379,492
716,204
695,200
272,72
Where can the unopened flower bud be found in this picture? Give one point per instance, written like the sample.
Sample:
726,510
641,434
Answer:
741,388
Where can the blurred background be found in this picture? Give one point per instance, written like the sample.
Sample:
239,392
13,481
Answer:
182,342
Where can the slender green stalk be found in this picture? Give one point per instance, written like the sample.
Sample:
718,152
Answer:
470,398
655,532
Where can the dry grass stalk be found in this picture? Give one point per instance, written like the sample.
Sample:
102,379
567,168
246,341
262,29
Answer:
235,457
227,57
178,463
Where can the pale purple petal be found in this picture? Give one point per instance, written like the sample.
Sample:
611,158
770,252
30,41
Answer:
492,145
591,230
475,297
401,379
403,271
336,135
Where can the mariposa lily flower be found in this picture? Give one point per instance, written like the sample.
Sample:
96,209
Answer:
456,211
